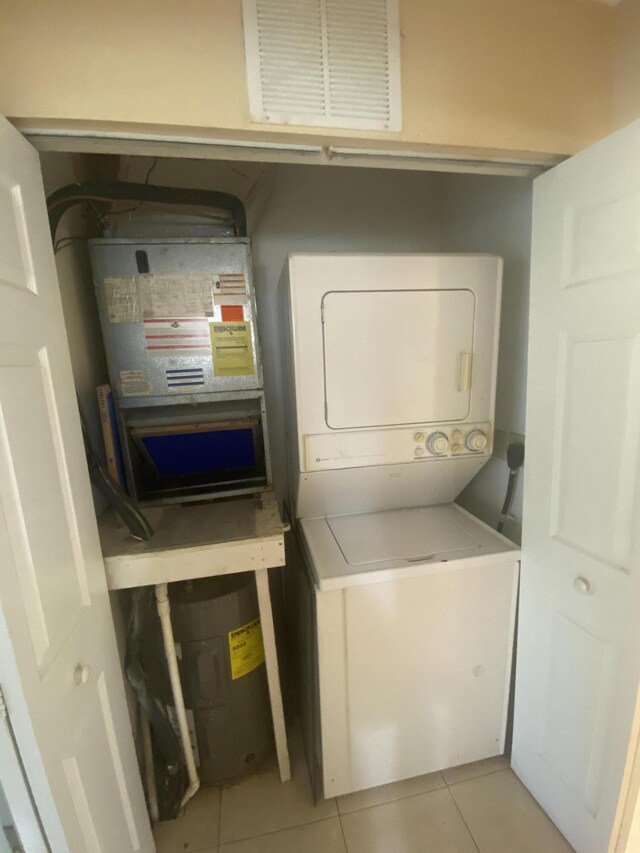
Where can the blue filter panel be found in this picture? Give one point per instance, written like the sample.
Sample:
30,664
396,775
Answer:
201,452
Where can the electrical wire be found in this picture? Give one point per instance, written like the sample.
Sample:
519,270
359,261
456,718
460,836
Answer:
146,183
64,243
64,198
128,510
215,217
151,168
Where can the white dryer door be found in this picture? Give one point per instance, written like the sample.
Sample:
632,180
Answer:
395,357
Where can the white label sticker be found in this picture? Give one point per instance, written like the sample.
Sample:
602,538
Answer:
229,289
179,296
121,295
229,300
134,383
179,336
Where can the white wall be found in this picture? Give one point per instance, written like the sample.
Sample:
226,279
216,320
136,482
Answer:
489,214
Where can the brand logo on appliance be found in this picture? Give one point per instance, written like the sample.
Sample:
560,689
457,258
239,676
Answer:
228,328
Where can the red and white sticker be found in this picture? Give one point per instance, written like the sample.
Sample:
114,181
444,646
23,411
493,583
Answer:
177,336
229,288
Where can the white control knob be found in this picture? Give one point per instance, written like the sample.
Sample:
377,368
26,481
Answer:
81,674
476,440
582,585
438,443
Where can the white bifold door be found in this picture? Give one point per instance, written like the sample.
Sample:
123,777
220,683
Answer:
579,634
59,667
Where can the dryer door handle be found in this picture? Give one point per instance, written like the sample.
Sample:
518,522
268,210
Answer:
465,372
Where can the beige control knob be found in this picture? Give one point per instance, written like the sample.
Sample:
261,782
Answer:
456,435
476,440
419,437
456,449
81,674
581,584
437,443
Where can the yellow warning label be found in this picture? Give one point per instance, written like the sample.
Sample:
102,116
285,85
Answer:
232,349
246,649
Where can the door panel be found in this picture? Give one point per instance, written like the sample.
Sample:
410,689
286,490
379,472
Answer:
606,370
397,357
423,666
16,263
579,634
601,239
44,533
570,742
59,667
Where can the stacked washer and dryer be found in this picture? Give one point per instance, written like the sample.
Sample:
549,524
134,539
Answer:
405,604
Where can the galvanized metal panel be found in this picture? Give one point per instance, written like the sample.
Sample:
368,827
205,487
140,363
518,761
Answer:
127,344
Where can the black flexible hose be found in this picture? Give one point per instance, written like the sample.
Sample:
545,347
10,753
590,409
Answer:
66,197
165,738
507,500
515,458
129,511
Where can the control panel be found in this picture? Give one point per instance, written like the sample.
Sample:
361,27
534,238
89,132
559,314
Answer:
448,441
357,448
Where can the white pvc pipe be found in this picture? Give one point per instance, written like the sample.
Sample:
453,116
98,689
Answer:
164,612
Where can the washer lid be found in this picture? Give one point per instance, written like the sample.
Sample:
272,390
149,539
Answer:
404,534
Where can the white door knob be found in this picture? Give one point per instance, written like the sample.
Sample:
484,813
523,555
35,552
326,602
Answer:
438,443
582,585
476,440
81,674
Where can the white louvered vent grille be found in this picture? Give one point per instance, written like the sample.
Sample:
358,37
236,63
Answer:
332,63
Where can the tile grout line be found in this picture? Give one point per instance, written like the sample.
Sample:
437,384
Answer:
344,837
479,776
395,800
272,831
445,784
462,817
339,814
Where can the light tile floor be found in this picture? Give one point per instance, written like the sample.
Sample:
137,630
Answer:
477,808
